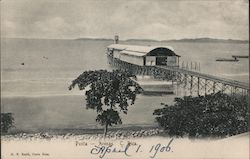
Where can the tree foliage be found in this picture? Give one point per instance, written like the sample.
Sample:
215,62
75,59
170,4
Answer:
211,115
108,93
7,121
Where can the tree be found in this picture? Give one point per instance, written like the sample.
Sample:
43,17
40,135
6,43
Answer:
109,93
212,115
7,122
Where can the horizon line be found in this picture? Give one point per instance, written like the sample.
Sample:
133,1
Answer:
104,38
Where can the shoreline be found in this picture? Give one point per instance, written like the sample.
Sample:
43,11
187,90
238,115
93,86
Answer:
111,135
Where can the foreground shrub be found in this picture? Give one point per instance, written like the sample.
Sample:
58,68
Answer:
7,121
211,115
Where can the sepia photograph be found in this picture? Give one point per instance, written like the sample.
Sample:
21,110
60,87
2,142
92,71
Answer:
118,79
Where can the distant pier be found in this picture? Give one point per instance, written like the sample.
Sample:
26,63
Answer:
240,56
235,58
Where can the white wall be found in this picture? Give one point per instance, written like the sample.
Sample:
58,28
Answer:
138,60
171,61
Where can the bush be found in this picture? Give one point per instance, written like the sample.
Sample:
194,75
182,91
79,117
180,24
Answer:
7,121
211,115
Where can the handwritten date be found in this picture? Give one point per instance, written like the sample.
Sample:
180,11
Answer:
129,149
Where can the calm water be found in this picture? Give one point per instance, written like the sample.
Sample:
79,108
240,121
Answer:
37,92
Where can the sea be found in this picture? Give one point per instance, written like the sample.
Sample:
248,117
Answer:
36,74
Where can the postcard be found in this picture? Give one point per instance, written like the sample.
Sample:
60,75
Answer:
134,79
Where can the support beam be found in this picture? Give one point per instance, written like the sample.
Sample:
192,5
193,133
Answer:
178,62
242,92
205,86
187,66
223,88
182,64
172,74
235,90
191,85
185,80
214,84
198,87
179,78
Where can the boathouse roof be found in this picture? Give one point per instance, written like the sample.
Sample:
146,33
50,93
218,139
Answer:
136,50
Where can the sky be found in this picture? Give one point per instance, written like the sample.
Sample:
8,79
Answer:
140,19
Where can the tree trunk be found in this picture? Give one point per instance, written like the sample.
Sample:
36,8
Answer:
105,129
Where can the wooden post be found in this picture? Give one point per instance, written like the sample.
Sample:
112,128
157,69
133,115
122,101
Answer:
198,87
172,74
214,83
185,81
178,61
242,92
178,77
223,88
205,86
235,90
191,85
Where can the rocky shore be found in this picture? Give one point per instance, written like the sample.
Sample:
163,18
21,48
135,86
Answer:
119,134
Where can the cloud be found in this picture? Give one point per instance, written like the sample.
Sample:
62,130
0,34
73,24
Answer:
131,19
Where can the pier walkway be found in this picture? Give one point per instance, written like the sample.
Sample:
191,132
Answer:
217,79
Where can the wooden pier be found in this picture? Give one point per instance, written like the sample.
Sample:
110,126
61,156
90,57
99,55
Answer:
161,62
196,83
202,83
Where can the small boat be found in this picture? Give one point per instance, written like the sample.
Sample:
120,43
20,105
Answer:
240,56
227,60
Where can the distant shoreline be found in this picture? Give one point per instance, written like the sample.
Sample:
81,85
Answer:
200,40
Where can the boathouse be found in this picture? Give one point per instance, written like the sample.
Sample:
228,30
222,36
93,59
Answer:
144,55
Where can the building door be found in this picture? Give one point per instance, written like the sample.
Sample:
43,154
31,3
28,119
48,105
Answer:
161,60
